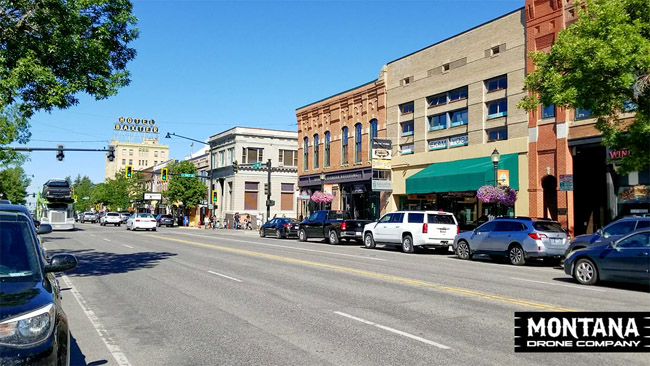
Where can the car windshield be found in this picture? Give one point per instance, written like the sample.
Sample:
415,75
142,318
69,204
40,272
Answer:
165,217
145,215
548,226
112,214
441,219
18,255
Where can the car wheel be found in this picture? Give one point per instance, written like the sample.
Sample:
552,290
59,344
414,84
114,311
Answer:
302,235
369,241
516,255
154,229
278,234
462,250
333,238
262,233
585,272
407,244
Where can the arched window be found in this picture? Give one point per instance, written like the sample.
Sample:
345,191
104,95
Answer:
357,143
326,159
316,147
344,145
305,154
373,136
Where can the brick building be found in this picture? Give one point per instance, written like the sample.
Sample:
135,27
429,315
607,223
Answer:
335,137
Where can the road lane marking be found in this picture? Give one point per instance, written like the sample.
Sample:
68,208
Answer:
392,330
105,239
128,246
559,284
92,234
119,357
223,275
381,276
288,247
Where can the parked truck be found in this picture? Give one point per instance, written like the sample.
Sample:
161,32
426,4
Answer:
331,225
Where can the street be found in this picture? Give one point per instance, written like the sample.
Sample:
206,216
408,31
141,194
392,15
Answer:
205,297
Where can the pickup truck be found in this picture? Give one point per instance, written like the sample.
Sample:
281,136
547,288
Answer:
331,225
57,190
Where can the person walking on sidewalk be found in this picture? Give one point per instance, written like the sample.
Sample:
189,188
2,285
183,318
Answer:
206,221
236,221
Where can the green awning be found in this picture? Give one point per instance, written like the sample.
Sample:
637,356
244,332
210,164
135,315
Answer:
461,175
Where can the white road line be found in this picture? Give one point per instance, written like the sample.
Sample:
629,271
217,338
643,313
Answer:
105,239
559,284
288,247
408,335
92,234
223,275
128,246
119,357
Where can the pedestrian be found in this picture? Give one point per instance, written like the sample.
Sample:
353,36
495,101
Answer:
213,221
206,221
249,222
259,220
236,221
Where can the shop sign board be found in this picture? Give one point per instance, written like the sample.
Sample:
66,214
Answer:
566,182
381,185
503,176
149,196
438,144
382,154
458,141
382,144
381,164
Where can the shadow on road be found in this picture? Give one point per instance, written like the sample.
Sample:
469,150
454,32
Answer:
93,263
77,357
606,284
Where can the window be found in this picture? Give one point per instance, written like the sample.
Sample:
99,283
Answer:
440,219
123,161
406,149
373,135
222,158
231,155
642,225
288,158
582,113
326,158
508,226
498,134
344,146
438,122
458,94
398,217
286,202
316,147
123,151
438,99
386,218
548,111
497,83
640,240
620,228
458,118
357,143
629,106
494,50
155,154
498,108
417,218
252,155
155,162
131,152
407,128
305,154
162,154
406,108
445,67
130,161
548,226
488,226
250,195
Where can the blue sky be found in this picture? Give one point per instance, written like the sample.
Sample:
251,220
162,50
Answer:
205,66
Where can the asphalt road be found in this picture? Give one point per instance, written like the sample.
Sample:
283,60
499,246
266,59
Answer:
201,297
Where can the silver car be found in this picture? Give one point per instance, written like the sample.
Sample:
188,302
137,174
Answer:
517,239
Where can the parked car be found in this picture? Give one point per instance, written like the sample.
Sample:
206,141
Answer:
331,225
281,227
624,260
33,326
411,229
144,221
111,218
166,220
518,239
124,215
57,190
88,217
609,233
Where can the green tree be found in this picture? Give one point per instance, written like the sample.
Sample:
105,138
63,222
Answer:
13,127
13,184
51,50
82,187
120,191
189,191
602,63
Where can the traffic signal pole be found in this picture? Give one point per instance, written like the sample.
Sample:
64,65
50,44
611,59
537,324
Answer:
268,194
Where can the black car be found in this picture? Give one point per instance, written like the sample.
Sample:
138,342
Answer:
609,233
57,190
166,220
280,228
33,327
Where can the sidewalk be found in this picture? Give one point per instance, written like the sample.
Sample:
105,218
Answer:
225,231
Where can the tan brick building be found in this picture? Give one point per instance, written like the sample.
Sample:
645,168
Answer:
140,155
334,150
449,106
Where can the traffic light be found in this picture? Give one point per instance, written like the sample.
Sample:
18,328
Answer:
128,173
59,153
215,196
235,166
163,174
110,155
266,189
268,164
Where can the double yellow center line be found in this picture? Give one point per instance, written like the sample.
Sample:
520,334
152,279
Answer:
390,278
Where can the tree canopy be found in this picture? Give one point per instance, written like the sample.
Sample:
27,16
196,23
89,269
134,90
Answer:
601,63
189,191
82,187
13,184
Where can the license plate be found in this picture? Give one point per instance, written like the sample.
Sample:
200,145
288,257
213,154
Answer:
556,241
444,242
357,234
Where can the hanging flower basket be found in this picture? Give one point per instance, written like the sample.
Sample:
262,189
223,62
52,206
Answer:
320,197
501,194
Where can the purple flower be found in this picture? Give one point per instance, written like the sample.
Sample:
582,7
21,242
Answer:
501,194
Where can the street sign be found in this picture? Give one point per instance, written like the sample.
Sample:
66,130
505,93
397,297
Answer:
152,197
270,203
566,182
257,165
85,198
188,175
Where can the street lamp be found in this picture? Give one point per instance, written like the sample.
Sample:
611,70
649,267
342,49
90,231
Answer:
495,160
322,187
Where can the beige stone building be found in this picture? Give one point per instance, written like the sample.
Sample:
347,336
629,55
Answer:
141,155
449,106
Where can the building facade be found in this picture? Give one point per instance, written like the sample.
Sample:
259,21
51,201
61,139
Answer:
243,191
449,107
141,155
335,137
564,143
201,160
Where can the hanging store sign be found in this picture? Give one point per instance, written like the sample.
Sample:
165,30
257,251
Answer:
455,141
381,164
382,185
503,176
382,154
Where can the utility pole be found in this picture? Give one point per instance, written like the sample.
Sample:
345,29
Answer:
268,194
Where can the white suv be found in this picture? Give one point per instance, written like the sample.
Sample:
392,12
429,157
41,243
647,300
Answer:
111,218
410,229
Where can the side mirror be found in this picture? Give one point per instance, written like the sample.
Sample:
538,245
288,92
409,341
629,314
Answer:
44,229
604,234
61,263
36,223
599,232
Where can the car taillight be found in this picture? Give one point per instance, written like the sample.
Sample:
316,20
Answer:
344,226
137,220
457,230
537,236
286,225
425,228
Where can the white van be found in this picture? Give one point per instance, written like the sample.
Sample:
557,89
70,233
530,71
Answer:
410,229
